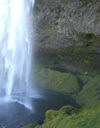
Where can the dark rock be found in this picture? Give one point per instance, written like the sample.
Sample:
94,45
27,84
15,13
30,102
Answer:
60,22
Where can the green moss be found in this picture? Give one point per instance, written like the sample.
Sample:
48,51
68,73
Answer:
86,2
60,57
82,50
87,118
70,117
84,87
89,39
55,80
70,58
68,110
73,70
29,126
89,96
64,1
51,114
65,110
87,62
48,31
84,77
38,126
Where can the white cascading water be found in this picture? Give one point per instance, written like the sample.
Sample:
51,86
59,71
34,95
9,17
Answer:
16,50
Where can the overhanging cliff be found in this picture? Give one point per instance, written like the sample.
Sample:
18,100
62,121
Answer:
64,23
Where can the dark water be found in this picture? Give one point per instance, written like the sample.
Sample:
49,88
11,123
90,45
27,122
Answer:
14,115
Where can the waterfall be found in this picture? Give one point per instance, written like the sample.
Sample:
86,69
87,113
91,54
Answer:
16,43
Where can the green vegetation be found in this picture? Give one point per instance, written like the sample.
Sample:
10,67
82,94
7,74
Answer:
29,126
86,2
70,117
64,119
55,80
84,87
75,71
70,59
64,1
89,96
48,31
89,39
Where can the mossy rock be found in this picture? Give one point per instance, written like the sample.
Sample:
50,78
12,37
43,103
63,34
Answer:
68,110
71,59
89,39
38,126
89,96
55,80
64,1
87,118
51,114
86,2
48,31
29,126
65,110
84,118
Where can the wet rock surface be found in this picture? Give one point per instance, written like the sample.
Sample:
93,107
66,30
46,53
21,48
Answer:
62,23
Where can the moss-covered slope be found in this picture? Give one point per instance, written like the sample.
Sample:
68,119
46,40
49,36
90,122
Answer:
66,119
69,117
89,96
84,87
55,80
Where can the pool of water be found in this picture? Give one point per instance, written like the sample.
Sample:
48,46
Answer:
15,115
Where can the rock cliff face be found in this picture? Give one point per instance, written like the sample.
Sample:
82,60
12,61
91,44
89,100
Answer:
64,23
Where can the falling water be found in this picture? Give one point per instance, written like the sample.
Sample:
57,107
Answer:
16,50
